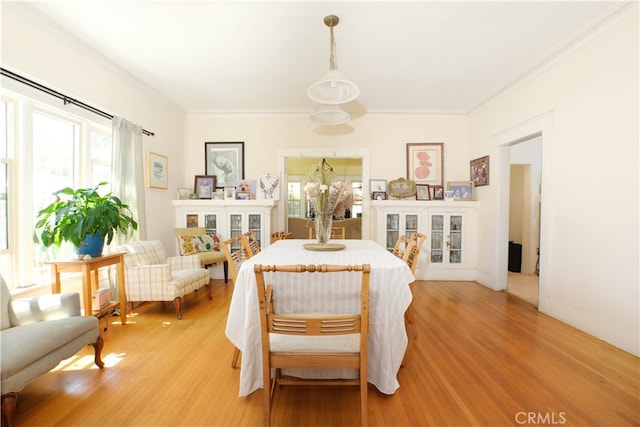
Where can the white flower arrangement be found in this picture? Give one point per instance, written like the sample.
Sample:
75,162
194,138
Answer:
328,195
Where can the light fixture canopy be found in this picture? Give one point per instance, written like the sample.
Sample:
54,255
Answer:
327,114
333,88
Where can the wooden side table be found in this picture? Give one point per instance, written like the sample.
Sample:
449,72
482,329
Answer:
89,269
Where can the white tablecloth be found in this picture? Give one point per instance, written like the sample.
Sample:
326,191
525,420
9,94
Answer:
389,298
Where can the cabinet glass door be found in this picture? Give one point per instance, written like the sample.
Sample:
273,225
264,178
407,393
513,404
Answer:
211,224
256,227
455,239
411,224
393,230
437,238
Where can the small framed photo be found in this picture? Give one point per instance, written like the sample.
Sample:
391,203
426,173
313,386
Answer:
229,193
462,190
425,163
246,186
243,195
157,170
423,192
218,194
184,193
377,185
448,195
379,195
479,171
225,160
438,192
204,186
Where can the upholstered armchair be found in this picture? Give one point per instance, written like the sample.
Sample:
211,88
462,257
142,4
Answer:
152,276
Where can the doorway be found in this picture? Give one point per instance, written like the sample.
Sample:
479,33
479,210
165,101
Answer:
524,219
332,155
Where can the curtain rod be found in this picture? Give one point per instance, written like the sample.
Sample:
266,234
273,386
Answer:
66,99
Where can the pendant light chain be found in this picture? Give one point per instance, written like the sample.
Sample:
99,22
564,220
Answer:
332,51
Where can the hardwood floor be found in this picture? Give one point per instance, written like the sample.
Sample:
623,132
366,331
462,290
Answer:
481,358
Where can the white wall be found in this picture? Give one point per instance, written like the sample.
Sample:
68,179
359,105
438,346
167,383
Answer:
589,256
35,51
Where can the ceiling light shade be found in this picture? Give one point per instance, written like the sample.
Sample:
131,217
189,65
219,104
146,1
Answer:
333,88
329,115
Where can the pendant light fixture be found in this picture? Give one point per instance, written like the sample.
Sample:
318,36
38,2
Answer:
329,115
333,88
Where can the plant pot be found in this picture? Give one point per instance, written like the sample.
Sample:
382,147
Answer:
92,245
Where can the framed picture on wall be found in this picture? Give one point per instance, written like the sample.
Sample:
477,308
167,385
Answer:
425,163
225,160
479,171
157,170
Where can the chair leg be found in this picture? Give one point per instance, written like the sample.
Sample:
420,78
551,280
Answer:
236,355
9,403
177,302
408,315
97,347
225,267
209,290
364,407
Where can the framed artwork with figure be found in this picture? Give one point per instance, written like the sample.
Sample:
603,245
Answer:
225,160
425,163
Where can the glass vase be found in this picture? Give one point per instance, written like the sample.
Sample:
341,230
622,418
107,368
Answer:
323,221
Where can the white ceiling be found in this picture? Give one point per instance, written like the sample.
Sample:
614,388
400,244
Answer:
261,56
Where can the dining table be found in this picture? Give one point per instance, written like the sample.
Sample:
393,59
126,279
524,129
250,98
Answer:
389,297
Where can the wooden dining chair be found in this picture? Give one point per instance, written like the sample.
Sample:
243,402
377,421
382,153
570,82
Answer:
250,243
336,232
236,253
281,235
293,340
400,246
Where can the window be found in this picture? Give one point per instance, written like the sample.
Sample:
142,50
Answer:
52,150
293,198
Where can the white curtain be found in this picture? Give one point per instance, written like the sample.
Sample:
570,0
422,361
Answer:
127,173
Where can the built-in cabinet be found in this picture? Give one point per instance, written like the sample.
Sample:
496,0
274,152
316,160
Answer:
227,218
450,227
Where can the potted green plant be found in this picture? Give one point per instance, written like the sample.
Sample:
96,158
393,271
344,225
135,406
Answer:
84,218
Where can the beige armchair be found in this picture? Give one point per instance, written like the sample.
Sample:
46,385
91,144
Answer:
209,253
152,276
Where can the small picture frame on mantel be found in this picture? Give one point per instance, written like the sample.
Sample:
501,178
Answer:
204,186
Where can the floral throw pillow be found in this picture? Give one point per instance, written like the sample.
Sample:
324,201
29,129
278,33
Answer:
188,245
207,243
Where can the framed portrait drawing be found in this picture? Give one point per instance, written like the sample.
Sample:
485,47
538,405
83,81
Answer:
462,190
479,171
423,192
425,163
157,170
225,160
204,186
